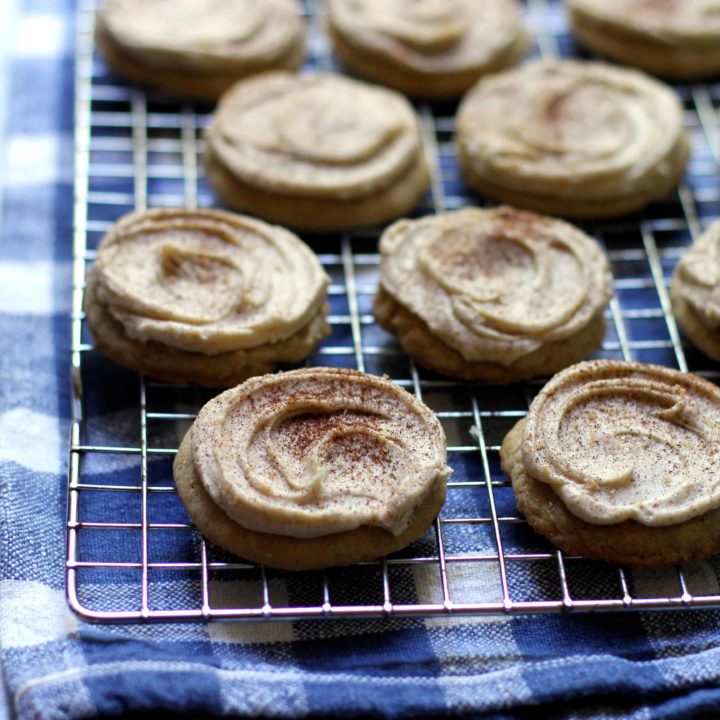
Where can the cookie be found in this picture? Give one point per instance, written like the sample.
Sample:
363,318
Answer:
313,468
496,295
204,296
618,461
317,152
572,138
676,39
199,49
435,49
695,292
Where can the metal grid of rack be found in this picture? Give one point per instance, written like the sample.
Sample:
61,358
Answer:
137,150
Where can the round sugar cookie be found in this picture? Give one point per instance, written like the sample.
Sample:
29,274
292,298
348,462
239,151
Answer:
313,468
676,39
618,461
204,296
572,138
436,49
317,152
199,49
695,292
497,295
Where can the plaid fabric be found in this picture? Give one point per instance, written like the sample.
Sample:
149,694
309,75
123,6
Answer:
640,665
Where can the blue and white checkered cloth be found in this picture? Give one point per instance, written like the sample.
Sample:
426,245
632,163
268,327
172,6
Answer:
641,665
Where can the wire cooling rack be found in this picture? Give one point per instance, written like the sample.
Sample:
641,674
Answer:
132,552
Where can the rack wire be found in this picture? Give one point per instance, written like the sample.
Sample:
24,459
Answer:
132,552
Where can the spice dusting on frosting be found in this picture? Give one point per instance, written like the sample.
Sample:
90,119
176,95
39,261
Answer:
625,441
207,281
318,451
580,139
604,125
495,285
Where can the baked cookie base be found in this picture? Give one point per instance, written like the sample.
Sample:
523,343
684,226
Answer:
688,321
433,86
692,62
429,351
288,553
180,366
184,83
580,208
626,543
399,197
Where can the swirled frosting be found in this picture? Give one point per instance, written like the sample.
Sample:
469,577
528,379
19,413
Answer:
207,281
673,22
495,284
317,451
697,277
626,441
315,135
212,33
435,36
573,129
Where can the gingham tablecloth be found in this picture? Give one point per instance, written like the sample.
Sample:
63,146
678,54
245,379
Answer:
641,665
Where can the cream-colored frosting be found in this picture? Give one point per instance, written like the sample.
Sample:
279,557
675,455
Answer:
317,451
495,284
672,22
626,441
698,277
207,281
566,128
314,135
212,33
433,36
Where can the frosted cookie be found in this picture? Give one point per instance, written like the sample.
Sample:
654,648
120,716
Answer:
318,152
198,49
204,296
695,292
677,39
313,468
496,295
619,461
571,138
435,49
